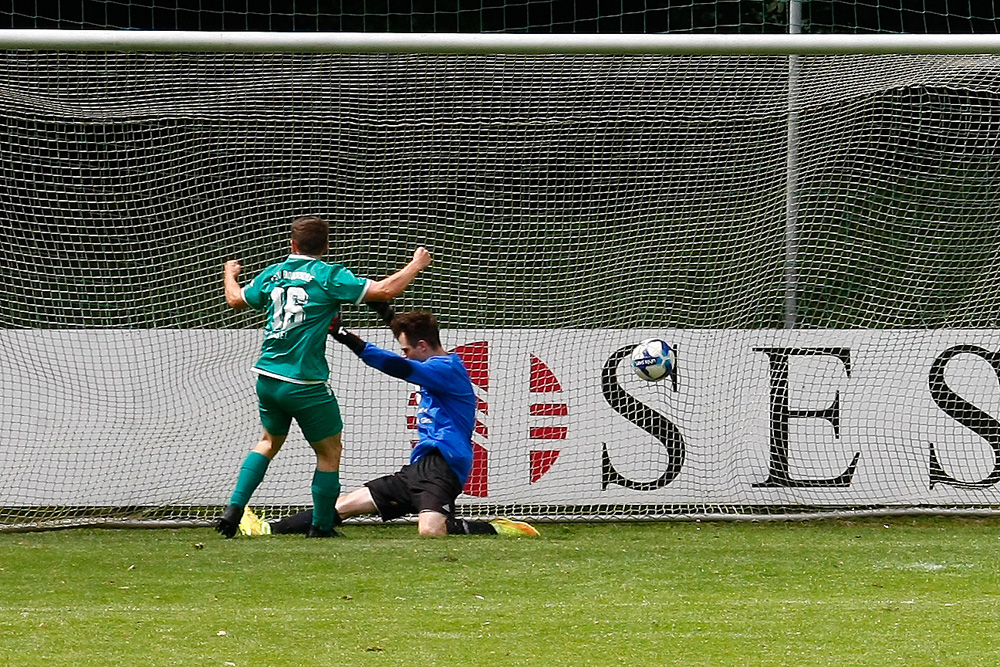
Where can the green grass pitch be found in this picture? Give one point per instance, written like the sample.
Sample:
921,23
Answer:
899,591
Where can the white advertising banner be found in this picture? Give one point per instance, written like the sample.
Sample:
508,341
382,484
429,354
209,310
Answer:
757,417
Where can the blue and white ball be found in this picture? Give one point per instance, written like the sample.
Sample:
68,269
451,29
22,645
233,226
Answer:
653,359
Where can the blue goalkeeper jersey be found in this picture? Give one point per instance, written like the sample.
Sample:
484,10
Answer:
446,412
301,295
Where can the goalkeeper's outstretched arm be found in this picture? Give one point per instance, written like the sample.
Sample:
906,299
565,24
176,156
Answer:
383,360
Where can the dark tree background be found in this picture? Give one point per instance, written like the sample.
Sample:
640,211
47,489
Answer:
560,16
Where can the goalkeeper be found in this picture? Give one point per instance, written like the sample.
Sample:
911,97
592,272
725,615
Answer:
300,295
442,458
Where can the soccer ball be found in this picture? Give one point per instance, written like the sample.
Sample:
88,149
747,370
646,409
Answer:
653,359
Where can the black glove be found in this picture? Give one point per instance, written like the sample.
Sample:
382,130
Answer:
345,337
383,309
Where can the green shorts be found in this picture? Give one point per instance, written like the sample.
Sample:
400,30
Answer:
313,406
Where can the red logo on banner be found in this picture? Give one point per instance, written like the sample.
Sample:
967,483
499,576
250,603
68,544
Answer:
544,381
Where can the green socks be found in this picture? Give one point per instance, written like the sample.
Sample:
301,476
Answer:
325,491
251,474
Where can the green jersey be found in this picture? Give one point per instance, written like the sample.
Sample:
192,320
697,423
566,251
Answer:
301,295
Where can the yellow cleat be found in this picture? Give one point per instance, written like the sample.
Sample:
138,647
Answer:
251,525
509,528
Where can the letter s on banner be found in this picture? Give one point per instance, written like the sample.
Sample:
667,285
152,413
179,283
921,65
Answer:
644,417
966,414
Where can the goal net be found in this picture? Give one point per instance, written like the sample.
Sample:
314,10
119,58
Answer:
575,205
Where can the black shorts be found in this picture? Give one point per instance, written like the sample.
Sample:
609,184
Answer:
429,485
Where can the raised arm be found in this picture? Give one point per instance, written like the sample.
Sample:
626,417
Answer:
391,287
385,361
234,294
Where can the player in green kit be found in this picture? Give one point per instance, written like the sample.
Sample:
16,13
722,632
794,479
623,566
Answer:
301,295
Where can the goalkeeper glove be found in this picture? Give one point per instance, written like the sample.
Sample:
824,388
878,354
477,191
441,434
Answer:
383,309
345,337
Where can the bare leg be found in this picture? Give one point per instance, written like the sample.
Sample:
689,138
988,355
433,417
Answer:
328,452
356,502
432,524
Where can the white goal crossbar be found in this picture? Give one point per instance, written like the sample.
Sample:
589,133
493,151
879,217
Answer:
475,43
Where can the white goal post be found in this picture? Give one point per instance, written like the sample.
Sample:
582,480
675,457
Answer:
495,43
817,235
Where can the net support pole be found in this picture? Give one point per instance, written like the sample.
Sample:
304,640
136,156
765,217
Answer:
792,174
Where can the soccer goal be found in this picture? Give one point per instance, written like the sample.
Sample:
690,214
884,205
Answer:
811,222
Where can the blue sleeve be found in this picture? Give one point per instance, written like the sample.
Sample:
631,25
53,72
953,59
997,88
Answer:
390,363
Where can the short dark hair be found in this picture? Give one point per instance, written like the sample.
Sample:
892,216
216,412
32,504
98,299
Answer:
417,325
311,234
